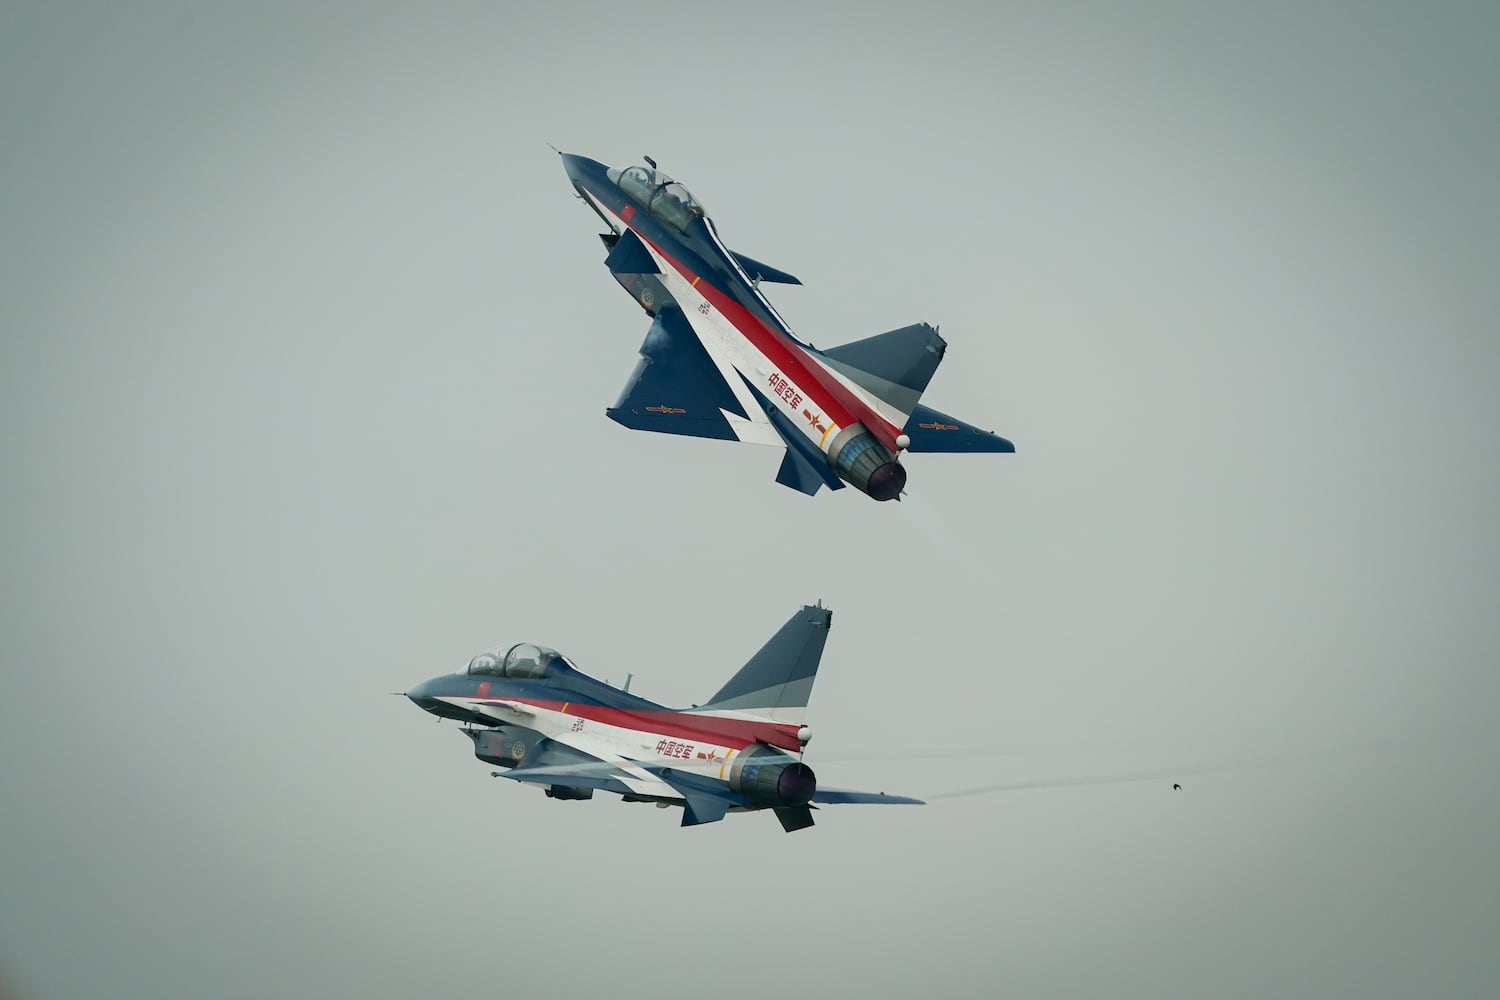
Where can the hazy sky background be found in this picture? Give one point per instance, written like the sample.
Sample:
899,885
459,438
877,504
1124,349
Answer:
306,347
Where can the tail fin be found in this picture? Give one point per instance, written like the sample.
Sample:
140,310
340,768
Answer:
776,682
895,367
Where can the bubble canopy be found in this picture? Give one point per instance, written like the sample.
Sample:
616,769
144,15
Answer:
666,199
524,659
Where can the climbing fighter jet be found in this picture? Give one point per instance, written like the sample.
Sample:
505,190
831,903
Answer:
528,710
720,362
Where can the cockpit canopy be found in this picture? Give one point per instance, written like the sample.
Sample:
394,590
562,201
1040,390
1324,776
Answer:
665,198
522,660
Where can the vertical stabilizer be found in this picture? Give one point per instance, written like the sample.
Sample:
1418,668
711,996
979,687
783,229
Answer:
778,680
895,367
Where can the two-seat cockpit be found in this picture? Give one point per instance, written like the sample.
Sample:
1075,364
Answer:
524,660
666,199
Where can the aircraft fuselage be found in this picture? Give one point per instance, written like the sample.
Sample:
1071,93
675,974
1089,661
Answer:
849,429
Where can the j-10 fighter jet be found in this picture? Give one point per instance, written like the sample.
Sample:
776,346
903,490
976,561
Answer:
530,711
719,361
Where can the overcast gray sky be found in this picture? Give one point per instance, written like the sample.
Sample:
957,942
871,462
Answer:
304,352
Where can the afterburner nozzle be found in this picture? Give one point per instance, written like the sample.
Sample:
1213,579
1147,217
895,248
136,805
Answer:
887,482
864,463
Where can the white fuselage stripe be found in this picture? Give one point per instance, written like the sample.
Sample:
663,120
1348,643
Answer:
612,744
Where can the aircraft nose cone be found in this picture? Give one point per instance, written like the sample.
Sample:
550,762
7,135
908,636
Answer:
582,170
573,164
421,696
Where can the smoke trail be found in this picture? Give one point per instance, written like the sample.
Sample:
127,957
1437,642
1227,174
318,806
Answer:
1159,773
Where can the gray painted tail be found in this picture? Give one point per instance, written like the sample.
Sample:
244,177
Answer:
896,366
778,680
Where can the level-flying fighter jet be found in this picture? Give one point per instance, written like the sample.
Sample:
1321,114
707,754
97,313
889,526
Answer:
719,362
530,711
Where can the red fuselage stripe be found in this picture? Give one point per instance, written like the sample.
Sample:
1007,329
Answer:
738,733
846,408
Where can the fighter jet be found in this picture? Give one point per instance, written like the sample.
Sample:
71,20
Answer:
719,362
529,710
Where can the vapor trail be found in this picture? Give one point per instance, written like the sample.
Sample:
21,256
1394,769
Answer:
1154,774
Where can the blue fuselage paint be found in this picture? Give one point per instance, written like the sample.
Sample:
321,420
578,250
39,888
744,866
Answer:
693,246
